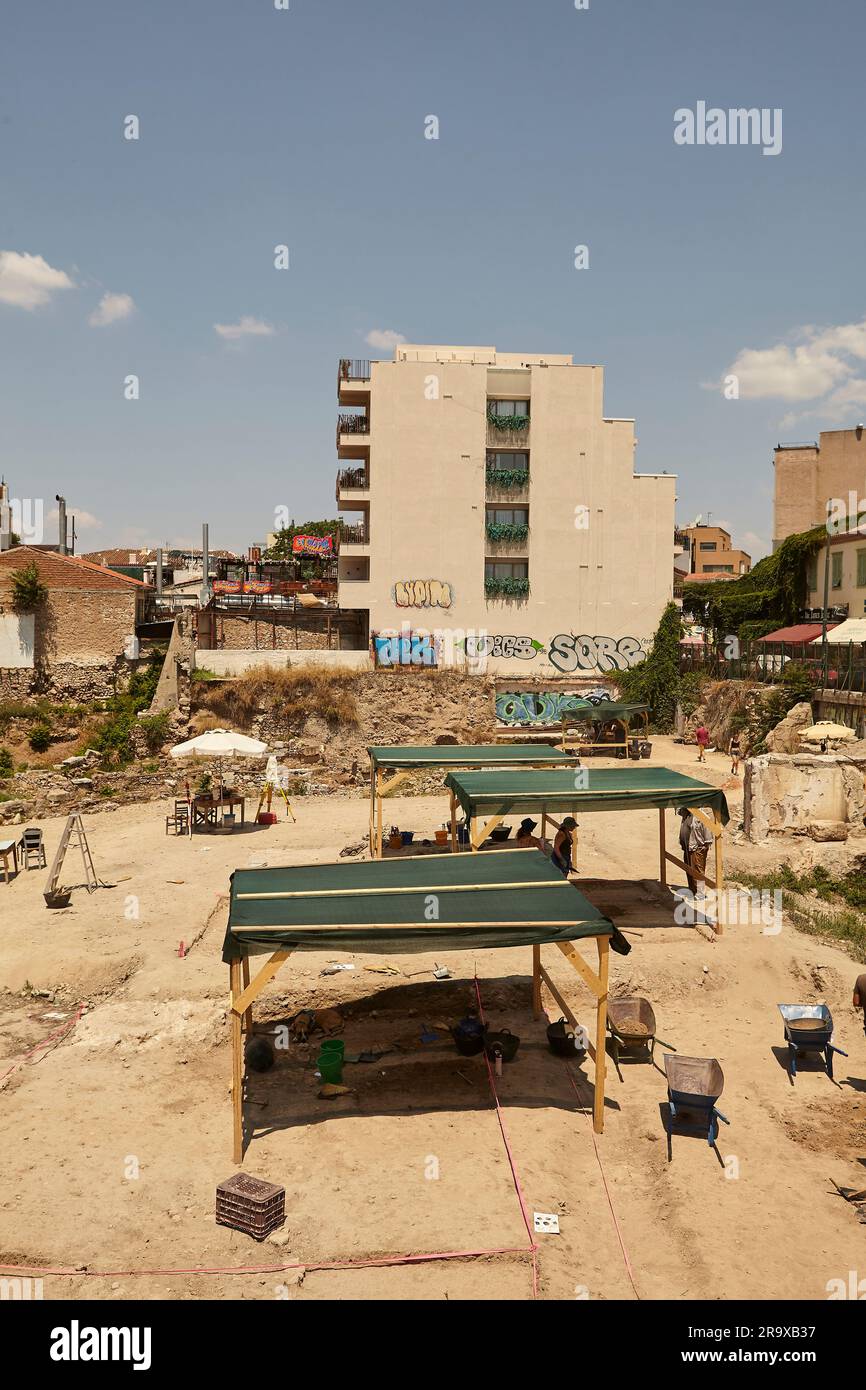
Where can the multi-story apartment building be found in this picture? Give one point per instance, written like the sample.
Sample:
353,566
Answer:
497,508
711,553
808,476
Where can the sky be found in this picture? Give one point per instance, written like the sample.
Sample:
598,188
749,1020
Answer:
306,127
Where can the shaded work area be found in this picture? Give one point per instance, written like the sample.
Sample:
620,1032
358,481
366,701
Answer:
515,898
486,798
390,766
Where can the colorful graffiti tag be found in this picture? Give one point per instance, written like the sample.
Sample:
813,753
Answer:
312,545
404,649
503,645
537,707
570,653
422,593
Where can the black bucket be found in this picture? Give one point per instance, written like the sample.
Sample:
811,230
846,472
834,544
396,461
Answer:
468,1037
560,1038
502,1043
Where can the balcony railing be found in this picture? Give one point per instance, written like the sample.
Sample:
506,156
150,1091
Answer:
354,369
509,532
507,477
353,424
358,534
352,479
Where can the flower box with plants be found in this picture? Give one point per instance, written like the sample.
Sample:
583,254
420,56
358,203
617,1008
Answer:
511,531
507,477
507,422
506,588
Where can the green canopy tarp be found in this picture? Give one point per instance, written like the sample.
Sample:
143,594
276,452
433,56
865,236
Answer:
604,710
520,791
468,754
457,901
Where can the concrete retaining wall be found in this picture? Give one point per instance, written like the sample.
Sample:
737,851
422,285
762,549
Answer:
232,662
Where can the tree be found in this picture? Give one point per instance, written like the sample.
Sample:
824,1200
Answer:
28,591
655,681
307,566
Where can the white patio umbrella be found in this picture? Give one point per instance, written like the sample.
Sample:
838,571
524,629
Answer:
825,728
220,744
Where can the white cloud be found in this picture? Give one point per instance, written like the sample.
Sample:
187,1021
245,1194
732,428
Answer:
84,521
384,338
246,327
110,309
814,363
28,281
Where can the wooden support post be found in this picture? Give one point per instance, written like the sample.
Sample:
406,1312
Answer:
663,867
536,982
600,1030
379,816
720,878
245,979
573,834
237,1064
453,823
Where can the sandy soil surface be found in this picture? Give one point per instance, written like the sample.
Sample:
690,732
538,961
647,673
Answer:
115,1134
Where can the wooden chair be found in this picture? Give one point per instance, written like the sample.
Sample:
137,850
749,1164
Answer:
180,820
31,843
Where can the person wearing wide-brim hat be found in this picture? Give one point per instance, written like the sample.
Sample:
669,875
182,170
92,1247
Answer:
524,839
563,845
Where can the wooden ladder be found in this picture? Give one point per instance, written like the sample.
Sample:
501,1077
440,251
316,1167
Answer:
73,834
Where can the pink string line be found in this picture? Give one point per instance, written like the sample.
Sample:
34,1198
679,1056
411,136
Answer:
533,1247
628,1266
364,1263
58,1033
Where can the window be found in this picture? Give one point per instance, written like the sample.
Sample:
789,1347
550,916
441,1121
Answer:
506,569
500,460
708,545
511,516
836,574
508,408
861,569
718,569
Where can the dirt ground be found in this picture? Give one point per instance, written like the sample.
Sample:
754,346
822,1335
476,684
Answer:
116,1132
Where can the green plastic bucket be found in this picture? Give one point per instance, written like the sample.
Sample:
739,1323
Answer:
330,1065
334,1045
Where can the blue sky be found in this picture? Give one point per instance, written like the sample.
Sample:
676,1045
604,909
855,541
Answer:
306,127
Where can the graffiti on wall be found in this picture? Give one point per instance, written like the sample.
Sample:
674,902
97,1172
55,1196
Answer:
404,649
422,593
570,653
539,706
502,644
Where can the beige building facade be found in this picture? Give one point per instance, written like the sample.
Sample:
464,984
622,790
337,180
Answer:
711,552
494,517
808,476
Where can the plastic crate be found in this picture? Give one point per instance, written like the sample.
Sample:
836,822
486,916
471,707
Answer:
250,1205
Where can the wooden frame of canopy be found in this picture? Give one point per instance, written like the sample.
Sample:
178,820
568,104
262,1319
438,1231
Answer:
494,755
573,743
480,831
244,990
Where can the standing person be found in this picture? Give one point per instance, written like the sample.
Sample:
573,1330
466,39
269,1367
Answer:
695,840
702,734
563,845
735,752
860,996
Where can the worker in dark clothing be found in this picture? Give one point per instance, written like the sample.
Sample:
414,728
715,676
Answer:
563,845
860,996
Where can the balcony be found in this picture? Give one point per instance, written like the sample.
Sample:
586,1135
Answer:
507,428
353,486
353,435
507,479
357,533
353,381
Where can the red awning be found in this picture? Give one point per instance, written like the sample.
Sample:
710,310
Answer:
800,632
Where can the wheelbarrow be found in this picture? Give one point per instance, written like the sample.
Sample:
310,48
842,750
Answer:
632,1024
809,1028
694,1086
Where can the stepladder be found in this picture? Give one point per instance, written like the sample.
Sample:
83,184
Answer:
73,836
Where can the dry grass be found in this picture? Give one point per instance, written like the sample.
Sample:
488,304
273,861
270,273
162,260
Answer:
293,693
